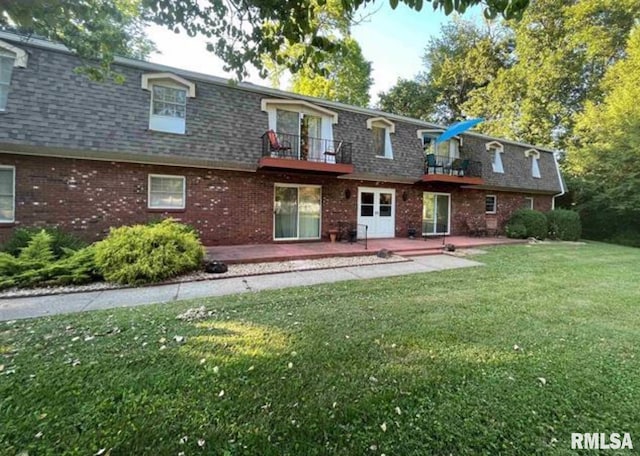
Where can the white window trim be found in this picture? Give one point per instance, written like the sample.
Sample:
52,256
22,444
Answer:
497,149
495,204
269,105
535,162
297,238
21,56
436,133
184,192
13,168
389,127
151,78
530,200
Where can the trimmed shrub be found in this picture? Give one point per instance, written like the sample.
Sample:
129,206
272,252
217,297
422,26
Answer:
516,231
564,225
534,222
60,241
37,265
142,254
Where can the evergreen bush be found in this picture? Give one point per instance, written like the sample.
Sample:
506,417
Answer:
534,222
564,225
142,254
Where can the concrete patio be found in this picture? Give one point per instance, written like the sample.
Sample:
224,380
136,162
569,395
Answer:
255,253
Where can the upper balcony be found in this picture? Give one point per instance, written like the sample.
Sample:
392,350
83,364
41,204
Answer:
438,168
305,153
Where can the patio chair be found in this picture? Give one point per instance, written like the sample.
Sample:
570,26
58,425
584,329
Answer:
433,163
330,155
276,147
460,166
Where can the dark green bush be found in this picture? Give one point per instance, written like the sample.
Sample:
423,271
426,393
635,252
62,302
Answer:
36,265
564,225
61,240
148,253
534,222
516,231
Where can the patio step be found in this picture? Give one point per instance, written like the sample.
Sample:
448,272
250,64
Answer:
420,252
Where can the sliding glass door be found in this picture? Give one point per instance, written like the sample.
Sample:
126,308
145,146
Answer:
435,213
297,212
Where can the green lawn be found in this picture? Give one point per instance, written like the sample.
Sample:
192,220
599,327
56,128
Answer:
421,364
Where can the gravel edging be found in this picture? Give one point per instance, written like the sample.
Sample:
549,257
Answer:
235,270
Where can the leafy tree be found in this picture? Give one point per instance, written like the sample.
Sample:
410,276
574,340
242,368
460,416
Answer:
409,98
464,57
561,52
96,30
604,159
345,76
240,32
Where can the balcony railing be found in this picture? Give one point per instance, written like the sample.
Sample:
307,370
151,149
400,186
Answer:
449,166
317,150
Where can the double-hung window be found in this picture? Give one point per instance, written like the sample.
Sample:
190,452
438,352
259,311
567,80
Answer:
166,192
490,204
169,93
7,194
381,130
535,159
496,149
6,68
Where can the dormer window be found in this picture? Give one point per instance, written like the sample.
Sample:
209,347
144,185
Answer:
535,158
169,95
381,130
10,57
496,150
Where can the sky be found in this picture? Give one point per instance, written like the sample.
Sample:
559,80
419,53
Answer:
393,40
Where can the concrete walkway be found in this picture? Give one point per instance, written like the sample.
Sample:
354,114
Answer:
17,308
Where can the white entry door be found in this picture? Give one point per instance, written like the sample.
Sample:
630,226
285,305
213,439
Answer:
376,209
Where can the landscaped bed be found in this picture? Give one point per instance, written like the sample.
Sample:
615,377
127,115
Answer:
510,358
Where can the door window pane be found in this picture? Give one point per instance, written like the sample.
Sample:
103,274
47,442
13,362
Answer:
309,209
428,212
288,128
286,212
386,200
442,214
366,204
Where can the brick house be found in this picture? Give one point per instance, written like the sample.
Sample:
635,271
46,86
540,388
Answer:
87,156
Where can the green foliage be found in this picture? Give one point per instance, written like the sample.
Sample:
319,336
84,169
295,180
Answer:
96,30
61,240
240,33
409,98
603,163
534,223
516,231
463,58
564,225
345,76
37,265
148,253
562,50
461,359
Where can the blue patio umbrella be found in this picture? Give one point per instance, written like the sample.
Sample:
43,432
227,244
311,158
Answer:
457,128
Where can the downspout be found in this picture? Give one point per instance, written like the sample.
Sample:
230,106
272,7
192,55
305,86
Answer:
562,192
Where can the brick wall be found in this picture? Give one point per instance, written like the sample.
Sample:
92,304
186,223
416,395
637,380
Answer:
226,207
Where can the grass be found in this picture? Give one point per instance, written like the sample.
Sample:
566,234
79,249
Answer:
412,365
